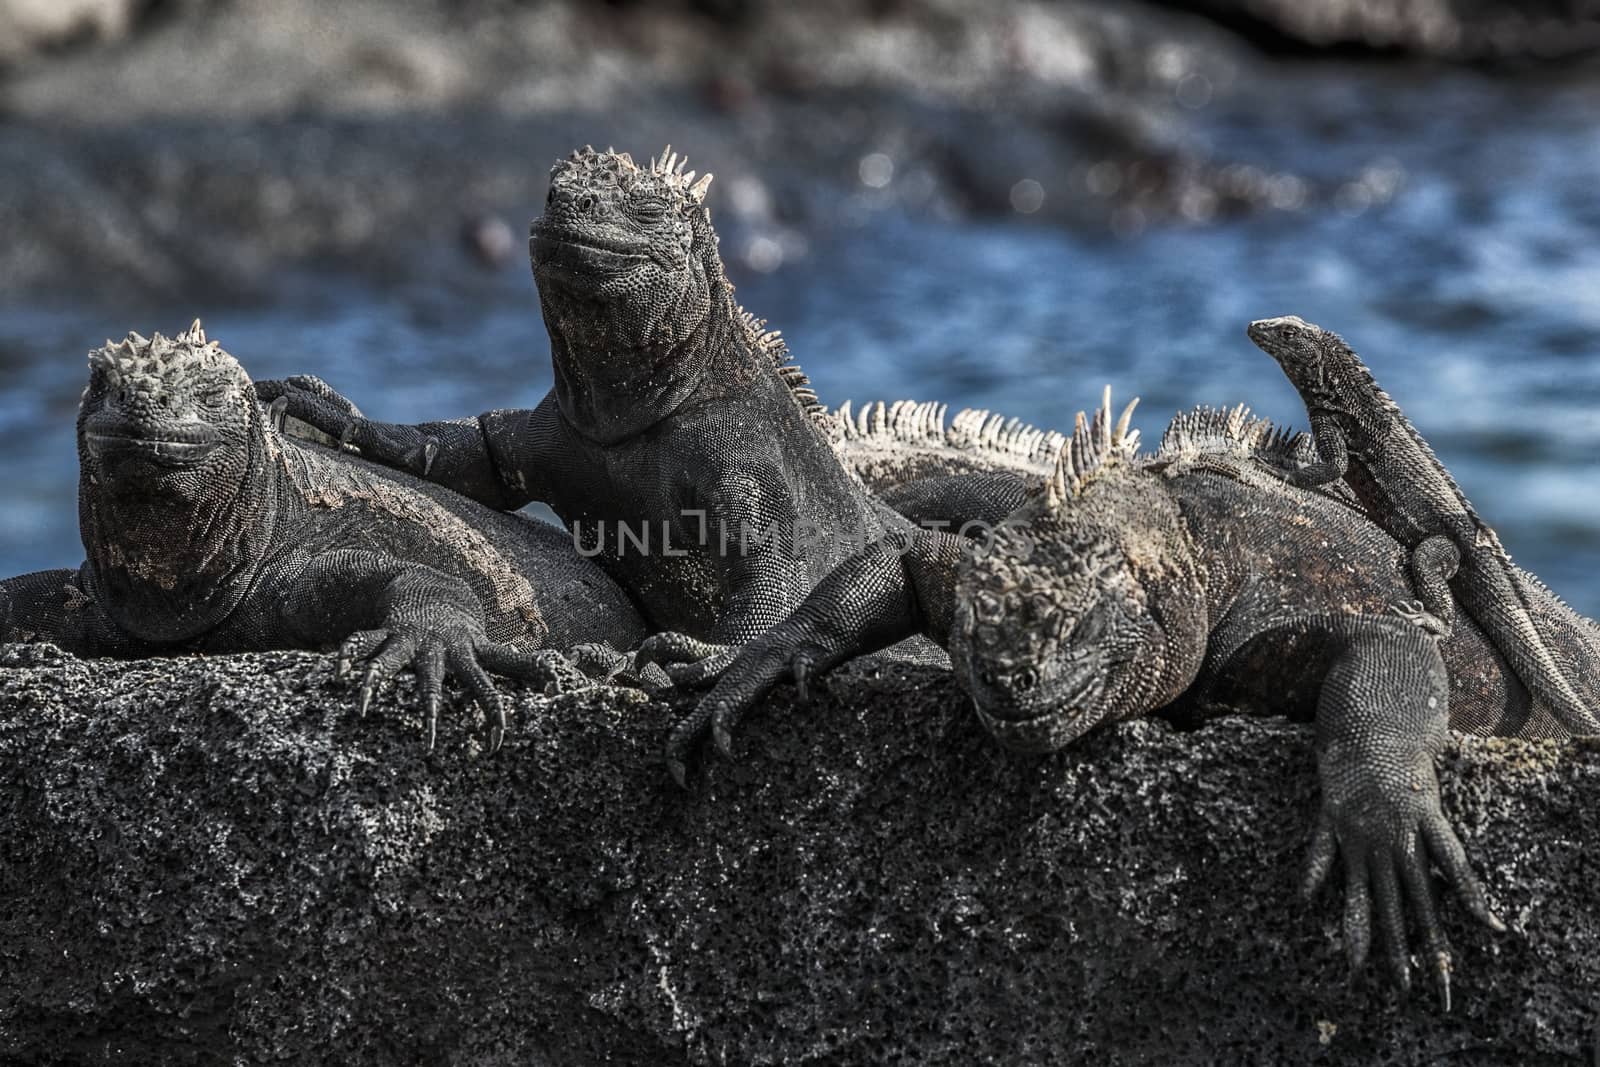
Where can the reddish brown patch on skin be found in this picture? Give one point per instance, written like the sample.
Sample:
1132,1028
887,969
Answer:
337,486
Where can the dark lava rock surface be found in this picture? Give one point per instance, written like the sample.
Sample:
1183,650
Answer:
213,860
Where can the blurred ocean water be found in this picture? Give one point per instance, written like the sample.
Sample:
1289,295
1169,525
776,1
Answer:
1464,266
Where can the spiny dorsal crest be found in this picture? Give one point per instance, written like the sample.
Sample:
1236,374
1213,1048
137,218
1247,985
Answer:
1233,431
972,430
156,357
770,345
986,431
903,420
1095,446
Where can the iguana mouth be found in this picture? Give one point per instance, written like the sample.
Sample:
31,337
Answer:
1053,728
175,447
563,250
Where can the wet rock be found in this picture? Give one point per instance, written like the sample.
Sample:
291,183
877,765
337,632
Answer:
1441,29
213,860
230,145
27,26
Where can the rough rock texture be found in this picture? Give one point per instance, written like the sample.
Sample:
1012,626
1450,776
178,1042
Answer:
212,861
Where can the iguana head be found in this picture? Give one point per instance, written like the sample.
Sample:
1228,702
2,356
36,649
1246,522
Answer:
1315,360
1084,606
622,232
170,450
163,413
639,309
625,252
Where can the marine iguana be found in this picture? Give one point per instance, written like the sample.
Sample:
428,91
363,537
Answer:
206,529
678,441
1363,437
1197,580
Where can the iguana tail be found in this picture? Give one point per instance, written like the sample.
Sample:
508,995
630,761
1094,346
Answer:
1497,601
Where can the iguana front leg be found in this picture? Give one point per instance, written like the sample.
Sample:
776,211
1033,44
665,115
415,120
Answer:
868,602
317,404
757,533
1433,563
1381,723
392,613
1333,453
455,453
762,588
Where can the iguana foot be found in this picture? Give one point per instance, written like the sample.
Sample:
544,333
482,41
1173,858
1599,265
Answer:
317,404
1414,612
461,651
751,672
598,661
688,661
1386,835
604,665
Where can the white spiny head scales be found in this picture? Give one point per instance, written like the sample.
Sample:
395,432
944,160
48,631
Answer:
665,173
163,363
174,487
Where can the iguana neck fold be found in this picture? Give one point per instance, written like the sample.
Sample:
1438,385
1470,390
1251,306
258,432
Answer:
611,387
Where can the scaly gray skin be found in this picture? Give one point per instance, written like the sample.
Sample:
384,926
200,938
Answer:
207,530
672,412
1198,580
1363,438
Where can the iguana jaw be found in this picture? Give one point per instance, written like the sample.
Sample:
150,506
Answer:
114,442
1076,708
559,252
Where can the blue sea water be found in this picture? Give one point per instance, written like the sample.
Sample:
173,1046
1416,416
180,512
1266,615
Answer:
1471,285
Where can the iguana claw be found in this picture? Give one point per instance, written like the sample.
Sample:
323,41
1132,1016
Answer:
1417,614
679,772
277,411
682,740
802,678
1378,872
721,731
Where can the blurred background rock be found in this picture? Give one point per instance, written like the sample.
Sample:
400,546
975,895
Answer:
998,204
